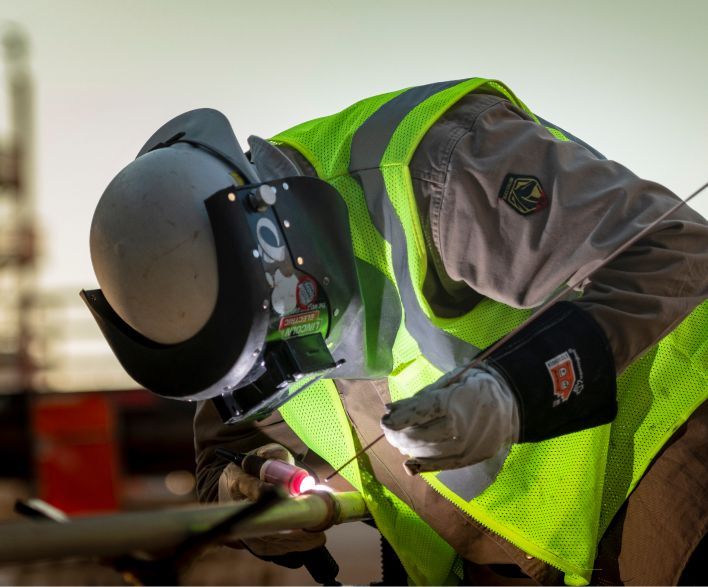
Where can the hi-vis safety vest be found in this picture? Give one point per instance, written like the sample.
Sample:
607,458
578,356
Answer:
553,499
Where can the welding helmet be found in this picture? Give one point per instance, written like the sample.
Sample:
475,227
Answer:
217,283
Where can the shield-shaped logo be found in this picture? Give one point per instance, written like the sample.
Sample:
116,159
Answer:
562,373
523,193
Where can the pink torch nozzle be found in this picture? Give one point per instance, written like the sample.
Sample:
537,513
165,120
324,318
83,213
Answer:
295,479
301,482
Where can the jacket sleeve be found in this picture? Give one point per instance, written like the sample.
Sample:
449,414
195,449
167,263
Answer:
592,207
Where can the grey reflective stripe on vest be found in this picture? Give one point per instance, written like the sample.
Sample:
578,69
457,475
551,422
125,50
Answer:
368,147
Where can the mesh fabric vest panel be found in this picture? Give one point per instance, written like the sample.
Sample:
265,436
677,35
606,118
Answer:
553,499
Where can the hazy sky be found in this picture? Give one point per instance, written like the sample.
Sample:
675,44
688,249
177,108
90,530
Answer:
628,77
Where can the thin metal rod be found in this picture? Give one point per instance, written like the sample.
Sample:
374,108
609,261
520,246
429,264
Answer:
356,456
578,281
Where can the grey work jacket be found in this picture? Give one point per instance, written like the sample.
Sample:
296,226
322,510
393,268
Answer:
483,247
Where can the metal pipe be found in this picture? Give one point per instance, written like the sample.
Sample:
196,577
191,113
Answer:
159,532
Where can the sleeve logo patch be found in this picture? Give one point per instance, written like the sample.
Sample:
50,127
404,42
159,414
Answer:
523,193
566,375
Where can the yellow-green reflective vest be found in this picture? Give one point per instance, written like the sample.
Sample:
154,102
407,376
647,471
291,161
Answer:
553,499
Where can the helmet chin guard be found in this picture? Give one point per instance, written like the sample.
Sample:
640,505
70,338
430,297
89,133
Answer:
285,278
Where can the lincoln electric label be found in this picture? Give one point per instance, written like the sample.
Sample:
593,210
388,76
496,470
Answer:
300,324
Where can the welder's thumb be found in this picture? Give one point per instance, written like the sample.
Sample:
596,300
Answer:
274,450
235,484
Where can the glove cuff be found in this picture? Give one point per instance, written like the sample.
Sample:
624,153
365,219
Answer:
562,372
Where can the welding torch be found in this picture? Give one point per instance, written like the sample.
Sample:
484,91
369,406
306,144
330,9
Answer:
295,480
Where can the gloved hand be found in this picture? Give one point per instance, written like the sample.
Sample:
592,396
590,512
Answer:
235,485
447,426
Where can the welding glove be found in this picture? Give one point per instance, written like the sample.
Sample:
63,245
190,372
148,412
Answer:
235,485
556,376
451,425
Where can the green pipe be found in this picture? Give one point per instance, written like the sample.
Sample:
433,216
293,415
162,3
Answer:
159,532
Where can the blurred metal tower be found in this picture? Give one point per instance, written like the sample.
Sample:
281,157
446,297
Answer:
18,242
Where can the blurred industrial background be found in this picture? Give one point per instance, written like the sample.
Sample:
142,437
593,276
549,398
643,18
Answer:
82,452
75,431
51,353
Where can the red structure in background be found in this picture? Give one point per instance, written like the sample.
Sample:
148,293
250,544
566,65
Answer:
76,453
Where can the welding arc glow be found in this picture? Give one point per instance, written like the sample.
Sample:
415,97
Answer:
307,483
302,484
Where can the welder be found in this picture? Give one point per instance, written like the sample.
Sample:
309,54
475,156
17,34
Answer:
334,281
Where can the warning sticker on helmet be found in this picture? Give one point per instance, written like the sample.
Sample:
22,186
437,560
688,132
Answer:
306,292
566,375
